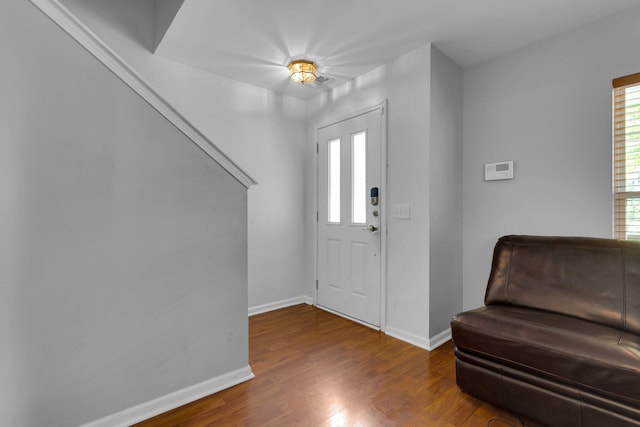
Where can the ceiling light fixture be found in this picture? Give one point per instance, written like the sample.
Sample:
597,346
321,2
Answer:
303,71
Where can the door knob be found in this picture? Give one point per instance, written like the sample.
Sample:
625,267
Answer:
370,228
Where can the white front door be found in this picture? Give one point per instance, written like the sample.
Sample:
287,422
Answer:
350,217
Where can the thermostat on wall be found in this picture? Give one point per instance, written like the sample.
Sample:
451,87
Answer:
496,171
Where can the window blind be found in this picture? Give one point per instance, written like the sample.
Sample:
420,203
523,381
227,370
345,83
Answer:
626,156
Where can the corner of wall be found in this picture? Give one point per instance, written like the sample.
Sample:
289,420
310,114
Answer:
445,183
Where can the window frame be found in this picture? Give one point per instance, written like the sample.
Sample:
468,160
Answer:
619,174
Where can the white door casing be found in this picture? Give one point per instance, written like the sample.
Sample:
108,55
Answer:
350,227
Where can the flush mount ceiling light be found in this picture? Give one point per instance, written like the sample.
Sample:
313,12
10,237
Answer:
303,71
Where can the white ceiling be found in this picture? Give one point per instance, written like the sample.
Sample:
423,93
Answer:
253,40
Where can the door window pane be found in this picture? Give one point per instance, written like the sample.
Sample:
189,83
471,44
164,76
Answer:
334,180
359,178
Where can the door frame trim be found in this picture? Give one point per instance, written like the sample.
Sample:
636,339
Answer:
382,106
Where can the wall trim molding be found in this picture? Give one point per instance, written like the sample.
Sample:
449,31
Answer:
92,43
439,339
428,344
408,337
276,305
173,400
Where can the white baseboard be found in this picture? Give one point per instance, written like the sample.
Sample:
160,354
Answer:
437,340
428,344
407,337
258,309
173,400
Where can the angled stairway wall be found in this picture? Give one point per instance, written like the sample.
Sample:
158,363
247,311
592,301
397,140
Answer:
124,255
261,130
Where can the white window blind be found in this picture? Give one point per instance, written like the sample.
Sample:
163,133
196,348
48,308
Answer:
626,156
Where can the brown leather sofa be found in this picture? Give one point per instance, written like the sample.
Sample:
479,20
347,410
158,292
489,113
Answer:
558,340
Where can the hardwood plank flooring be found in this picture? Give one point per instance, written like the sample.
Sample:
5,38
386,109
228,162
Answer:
316,369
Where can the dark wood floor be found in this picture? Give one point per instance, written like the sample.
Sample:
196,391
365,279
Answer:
316,369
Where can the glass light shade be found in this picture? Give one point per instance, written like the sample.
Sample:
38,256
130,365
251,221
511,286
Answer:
303,71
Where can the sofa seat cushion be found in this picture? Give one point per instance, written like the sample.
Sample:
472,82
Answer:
575,352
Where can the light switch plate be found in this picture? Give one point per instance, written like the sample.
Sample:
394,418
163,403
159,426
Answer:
401,211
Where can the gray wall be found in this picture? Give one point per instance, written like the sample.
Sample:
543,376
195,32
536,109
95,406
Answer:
424,266
260,130
407,93
547,107
124,256
445,192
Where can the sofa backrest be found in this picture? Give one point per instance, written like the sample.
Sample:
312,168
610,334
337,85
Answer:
588,278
